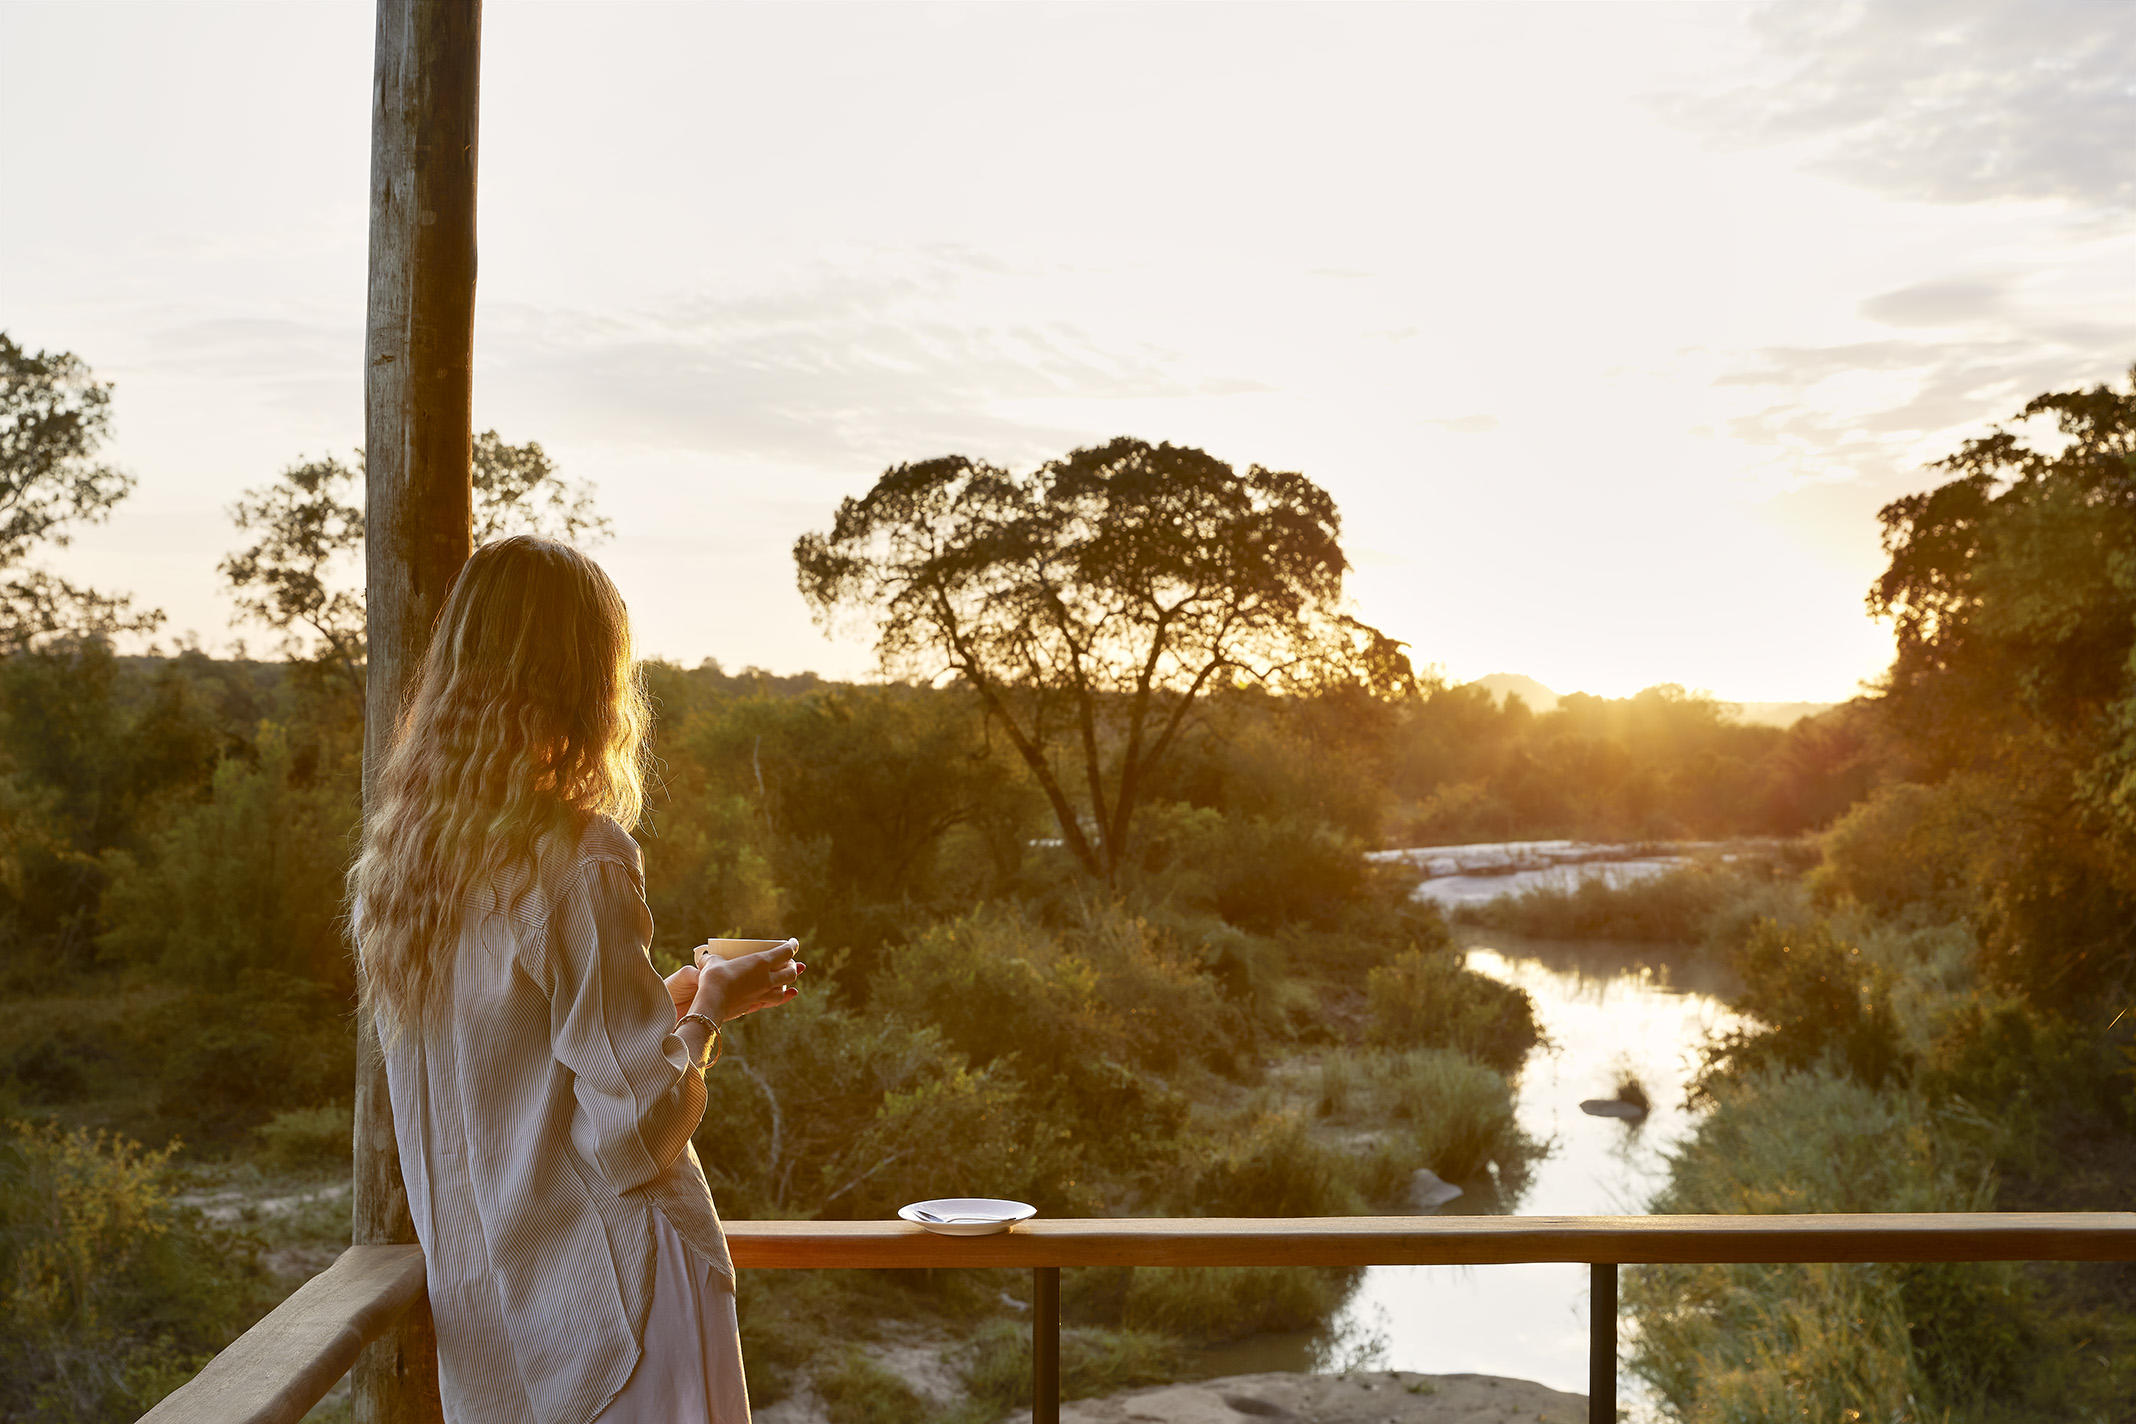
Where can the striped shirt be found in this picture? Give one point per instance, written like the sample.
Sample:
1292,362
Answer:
544,1109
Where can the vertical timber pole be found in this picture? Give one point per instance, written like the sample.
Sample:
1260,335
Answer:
1602,1343
1046,1345
418,438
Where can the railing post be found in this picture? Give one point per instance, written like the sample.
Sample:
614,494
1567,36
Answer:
1602,1343
1046,1345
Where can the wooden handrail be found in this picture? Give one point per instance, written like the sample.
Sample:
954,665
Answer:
285,1364
1446,1240
281,1367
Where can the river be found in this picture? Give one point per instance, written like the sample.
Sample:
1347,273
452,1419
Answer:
1605,1008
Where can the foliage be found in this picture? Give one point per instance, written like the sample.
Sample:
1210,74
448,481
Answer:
1759,1343
1259,873
1662,764
1823,1001
824,1111
250,878
307,528
309,1139
1214,1304
1094,1360
1426,999
109,1294
1675,907
54,414
1453,1114
1091,603
2012,590
856,1390
873,809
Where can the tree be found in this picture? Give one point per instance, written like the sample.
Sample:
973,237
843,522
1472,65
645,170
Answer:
2012,588
312,517
1092,602
54,414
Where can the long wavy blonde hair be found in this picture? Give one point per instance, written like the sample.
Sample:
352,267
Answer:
528,718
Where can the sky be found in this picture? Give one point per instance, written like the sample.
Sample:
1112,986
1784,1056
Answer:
1609,326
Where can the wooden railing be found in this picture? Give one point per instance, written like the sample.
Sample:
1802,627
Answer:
285,1364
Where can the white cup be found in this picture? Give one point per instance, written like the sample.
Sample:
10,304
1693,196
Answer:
736,948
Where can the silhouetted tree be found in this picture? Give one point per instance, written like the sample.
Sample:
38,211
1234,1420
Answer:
54,414
1091,602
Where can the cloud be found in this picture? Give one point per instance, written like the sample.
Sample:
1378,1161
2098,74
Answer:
837,368
1947,303
1877,408
1953,101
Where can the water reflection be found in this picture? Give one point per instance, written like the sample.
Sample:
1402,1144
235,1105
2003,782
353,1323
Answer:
1607,1009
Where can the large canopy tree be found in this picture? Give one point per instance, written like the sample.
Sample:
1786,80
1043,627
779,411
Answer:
1092,602
2012,587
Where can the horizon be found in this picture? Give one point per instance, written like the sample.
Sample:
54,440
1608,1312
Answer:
1609,329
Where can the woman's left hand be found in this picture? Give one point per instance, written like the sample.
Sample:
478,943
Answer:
682,988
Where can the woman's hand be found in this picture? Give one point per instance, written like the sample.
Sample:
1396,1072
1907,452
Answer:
729,988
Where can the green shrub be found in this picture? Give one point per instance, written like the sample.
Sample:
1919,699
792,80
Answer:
1670,908
1459,1113
1213,1304
231,1060
1094,1360
1274,1166
1431,1000
309,1139
1786,1342
1822,1000
856,1390
248,880
817,1109
1259,872
110,1296
1907,850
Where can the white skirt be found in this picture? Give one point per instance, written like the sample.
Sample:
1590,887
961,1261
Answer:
691,1371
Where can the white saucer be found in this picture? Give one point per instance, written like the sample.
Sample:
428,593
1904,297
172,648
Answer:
971,1216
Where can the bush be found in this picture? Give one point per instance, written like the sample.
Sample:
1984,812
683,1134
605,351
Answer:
1261,872
1781,1343
1824,1001
819,1110
1670,908
1904,851
231,1060
1210,1305
856,1390
1094,1360
248,880
309,1139
1459,1113
109,1295
1273,1167
1431,1000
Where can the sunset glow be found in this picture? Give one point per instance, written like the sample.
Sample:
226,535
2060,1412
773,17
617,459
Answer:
1609,327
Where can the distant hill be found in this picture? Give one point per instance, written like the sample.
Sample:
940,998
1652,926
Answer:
1538,697
1541,699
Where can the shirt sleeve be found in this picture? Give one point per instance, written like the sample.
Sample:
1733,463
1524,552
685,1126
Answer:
613,1025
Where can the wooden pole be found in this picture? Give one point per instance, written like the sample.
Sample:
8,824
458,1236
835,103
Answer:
418,437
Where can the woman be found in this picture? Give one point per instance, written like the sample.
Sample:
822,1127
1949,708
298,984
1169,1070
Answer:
544,1081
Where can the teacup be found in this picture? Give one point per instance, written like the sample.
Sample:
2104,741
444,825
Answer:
735,948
